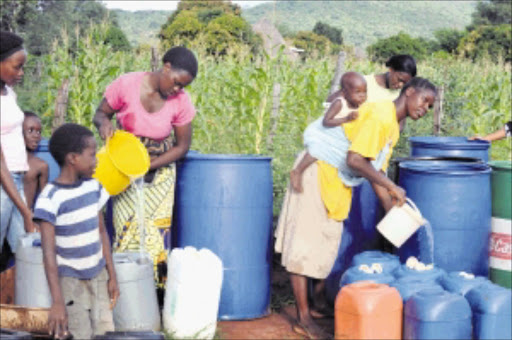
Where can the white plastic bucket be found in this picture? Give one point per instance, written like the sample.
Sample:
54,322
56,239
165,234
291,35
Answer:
400,223
137,306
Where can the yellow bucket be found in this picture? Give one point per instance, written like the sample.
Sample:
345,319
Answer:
122,158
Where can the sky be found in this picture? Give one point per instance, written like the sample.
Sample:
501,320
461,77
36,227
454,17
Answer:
161,5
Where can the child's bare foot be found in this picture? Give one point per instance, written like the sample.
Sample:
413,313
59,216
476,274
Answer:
296,180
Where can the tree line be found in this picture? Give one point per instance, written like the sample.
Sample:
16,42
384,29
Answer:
218,27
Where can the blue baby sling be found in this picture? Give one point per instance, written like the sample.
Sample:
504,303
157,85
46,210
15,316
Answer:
331,145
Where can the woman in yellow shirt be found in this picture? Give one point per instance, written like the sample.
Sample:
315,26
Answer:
310,224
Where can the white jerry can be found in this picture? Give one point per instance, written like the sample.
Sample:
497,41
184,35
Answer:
194,282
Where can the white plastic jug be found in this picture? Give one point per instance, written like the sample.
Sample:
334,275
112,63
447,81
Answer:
192,296
400,223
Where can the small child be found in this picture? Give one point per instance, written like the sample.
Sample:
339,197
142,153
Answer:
37,175
341,109
76,248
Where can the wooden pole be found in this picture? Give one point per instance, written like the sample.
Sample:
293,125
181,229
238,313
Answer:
155,59
61,105
340,69
438,110
274,118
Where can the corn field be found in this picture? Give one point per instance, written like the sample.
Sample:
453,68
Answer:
236,97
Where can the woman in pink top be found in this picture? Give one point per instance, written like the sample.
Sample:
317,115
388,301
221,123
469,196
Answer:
154,107
15,215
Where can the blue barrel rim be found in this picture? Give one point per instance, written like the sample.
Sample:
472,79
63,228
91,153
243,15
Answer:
447,167
449,143
224,157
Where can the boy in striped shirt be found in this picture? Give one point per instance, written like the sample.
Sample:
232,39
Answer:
76,248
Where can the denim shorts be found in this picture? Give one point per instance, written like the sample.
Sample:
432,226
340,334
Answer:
11,221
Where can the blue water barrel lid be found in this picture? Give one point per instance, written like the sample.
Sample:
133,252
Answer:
448,143
353,274
225,157
446,167
409,285
490,298
456,283
43,146
388,261
435,273
437,306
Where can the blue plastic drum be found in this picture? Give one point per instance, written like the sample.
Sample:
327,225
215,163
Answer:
389,262
410,285
455,198
456,282
449,147
224,203
354,274
492,311
434,314
43,152
434,274
359,234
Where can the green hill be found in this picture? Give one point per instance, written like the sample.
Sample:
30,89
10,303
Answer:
363,22
141,26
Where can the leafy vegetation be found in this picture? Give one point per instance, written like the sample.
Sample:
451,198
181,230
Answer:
235,115
141,27
493,12
491,39
217,25
41,22
402,43
334,34
357,20
313,44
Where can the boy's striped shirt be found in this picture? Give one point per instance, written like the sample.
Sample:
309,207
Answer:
73,211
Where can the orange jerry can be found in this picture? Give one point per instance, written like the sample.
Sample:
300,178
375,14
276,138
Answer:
368,310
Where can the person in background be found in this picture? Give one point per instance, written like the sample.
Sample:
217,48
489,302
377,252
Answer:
505,131
37,175
15,214
154,107
386,86
76,248
342,109
310,224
